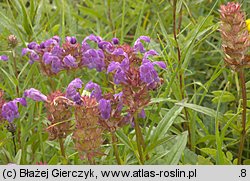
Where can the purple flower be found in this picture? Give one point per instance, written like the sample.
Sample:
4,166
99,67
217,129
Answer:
72,90
148,74
94,59
105,45
10,109
35,94
138,46
70,61
119,51
120,70
120,103
105,108
94,38
142,114
32,45
4,58
55,40
71,39
86,46
147,54
32,54
55,62
96,90
115,41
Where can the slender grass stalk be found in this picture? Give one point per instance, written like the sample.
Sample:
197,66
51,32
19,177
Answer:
244,105
15,69
181,78
139,139
114,143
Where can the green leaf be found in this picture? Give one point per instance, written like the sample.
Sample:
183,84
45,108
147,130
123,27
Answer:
201,109
222,96
18,157
177,149
165,124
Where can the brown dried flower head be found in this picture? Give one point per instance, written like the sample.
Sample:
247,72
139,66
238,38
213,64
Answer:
12,40
88,133
59,112
235,37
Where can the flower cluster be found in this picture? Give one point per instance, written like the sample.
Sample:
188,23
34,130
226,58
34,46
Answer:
235,36
89,113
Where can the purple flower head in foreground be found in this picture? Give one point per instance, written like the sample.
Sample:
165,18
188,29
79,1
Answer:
71,39
70,61
10,109
94,59
105,108
96,90
35,94
4,58
72,90
138,46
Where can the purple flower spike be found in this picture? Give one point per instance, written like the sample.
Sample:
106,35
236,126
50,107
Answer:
72,90
10,109
70,61
148,74
115,41
96,90
138,46
35,94
4,58
105,108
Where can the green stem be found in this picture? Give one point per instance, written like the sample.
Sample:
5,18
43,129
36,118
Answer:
138,139
15,69
181,79
62,148
114,141
244,112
